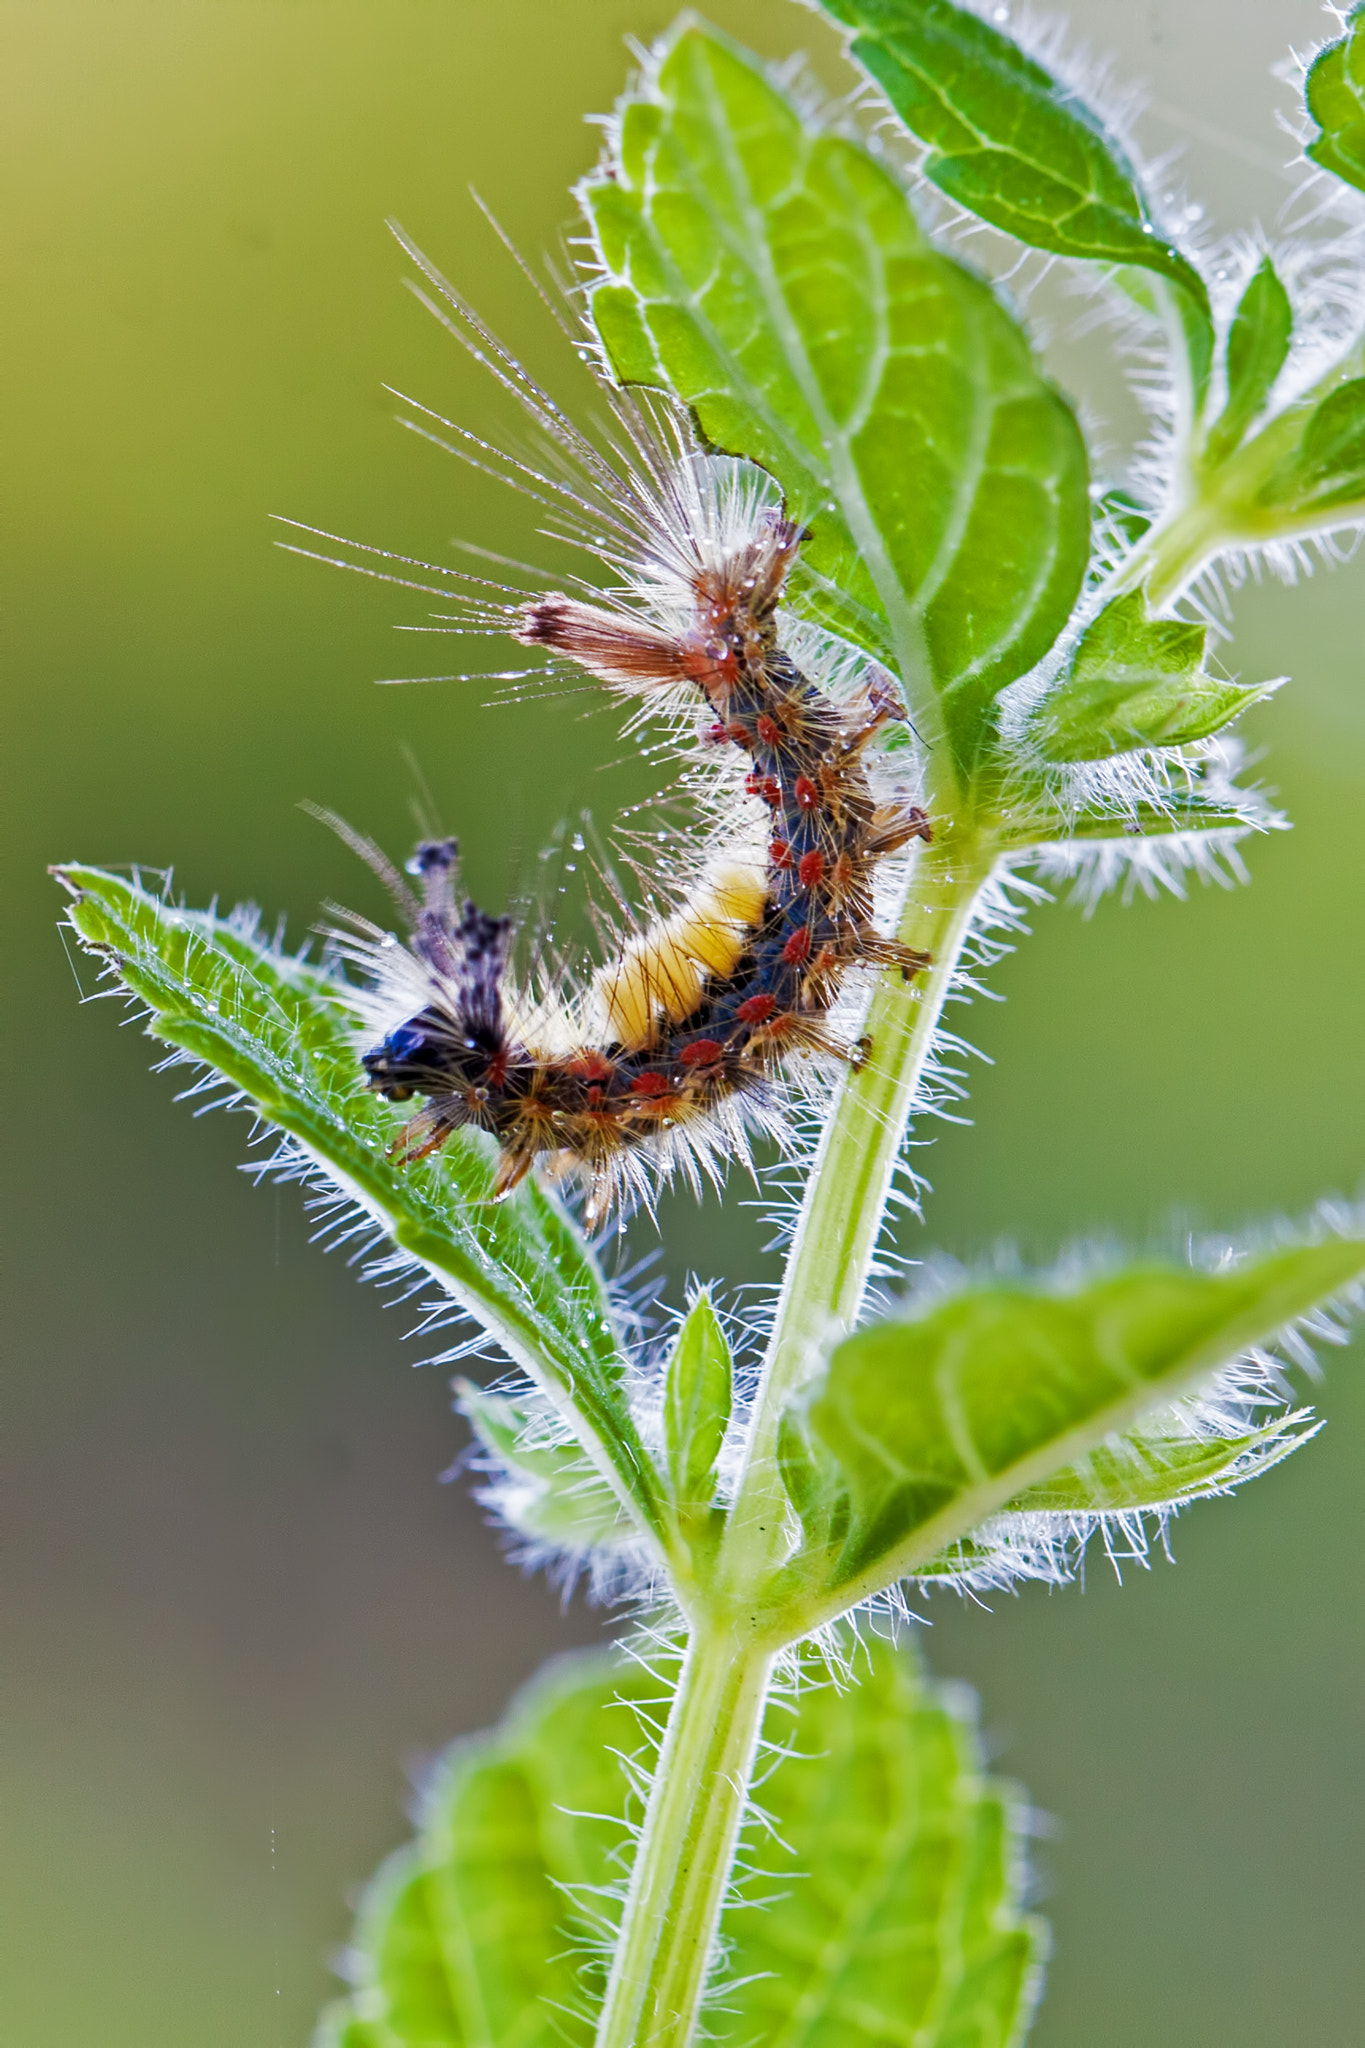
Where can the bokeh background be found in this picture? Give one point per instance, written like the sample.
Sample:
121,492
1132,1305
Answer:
240,1606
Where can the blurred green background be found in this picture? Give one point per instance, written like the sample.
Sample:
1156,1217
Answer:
239,1605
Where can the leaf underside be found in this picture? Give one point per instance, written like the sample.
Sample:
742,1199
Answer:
895,1862
1135,681
284,1034
1003,1400
775,278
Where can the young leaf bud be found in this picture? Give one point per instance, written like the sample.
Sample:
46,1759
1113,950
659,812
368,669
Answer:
1135,682
697,1394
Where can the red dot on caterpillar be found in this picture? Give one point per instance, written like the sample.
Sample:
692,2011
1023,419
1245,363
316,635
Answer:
592,1065
806,794
810,869
703,1052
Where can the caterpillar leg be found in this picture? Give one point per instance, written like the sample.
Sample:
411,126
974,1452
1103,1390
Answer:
879,952
894,826
426,1132
513,1168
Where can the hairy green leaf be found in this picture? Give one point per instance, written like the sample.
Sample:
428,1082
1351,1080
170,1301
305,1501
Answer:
475,1933
1257,348
1007,140
901,1921
1328,467
941,1421
897,1869
1335,95
1135,681
697,1394
284,1034
1140,1471
550,1491
1180,814
775,278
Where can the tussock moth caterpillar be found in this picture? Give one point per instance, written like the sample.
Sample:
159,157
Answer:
672,1053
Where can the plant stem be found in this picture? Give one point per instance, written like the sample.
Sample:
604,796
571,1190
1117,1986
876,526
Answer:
687,1847
846,1197
701,1784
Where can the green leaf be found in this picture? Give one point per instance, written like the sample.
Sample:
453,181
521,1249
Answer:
285,1035
1135,681
697,1395
1328,467
900,1921
1257,348
775,278
1335,93
944,1420
896,1867
1139,1471
1007,140
474,1933
549,1490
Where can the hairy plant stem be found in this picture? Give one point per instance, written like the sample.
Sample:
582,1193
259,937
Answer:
701,1784
687,1846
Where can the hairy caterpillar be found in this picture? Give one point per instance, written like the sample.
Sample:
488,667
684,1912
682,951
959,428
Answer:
673,1049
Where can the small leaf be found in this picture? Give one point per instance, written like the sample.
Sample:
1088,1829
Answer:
775,278
1335,93
1137,1471
944,1420
1007,140
1328,467
697,1395
284,1034
548,1489
897,1913
1257,348
1135,682
802,1477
